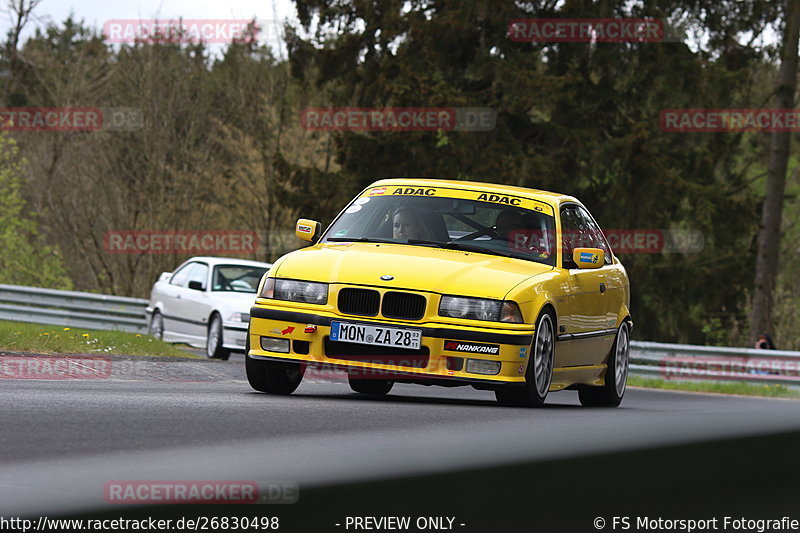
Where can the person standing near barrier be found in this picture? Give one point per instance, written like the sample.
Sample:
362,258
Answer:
764,342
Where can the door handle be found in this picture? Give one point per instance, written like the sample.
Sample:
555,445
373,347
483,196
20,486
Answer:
602,288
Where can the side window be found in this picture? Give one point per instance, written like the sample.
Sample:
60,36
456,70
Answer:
578,230
569,231
198,273
191,272
596,237
180,277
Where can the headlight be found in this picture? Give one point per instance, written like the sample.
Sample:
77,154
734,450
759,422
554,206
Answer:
239,317
480,309
295,291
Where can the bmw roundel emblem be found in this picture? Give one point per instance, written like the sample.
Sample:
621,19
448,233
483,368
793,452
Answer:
387,277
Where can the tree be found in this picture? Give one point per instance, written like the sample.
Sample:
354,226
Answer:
24,259
577,118
769,236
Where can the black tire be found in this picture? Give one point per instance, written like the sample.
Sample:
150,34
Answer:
610,394
540,368
274,377
156,326
214,341
378,387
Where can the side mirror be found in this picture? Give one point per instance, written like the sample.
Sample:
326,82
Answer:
588,257
308,230
196,285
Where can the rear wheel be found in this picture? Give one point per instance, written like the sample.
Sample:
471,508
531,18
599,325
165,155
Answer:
214,349
274,377
610,394
540,368
379,387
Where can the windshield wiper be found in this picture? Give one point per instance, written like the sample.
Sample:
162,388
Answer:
452,245
423,241
360,239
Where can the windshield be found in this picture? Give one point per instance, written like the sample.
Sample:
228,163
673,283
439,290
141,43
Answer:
237,278
469,220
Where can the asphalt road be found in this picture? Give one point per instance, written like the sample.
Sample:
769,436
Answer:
63,440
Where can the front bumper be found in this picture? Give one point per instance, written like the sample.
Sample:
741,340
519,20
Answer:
234,335
444,353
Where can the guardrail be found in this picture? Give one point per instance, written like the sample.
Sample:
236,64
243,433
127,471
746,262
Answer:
70,308
714,363
648,359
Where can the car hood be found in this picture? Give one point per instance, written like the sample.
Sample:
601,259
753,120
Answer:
236,302
420,268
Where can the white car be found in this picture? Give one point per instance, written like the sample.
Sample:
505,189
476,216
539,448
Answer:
206,303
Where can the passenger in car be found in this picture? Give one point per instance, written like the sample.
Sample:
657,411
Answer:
510,226
409,223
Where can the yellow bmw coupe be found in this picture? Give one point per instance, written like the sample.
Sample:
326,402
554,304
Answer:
449,283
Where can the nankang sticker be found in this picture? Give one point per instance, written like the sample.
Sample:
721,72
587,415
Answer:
471,347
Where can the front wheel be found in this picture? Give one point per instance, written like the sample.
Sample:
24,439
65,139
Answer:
214,348
274,377
610,394
540,368
156,328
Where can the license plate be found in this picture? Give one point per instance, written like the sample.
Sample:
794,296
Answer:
376,335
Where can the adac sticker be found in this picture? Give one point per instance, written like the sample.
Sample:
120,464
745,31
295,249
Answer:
415,191
500,199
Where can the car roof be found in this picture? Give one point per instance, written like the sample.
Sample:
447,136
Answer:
227,261
552,198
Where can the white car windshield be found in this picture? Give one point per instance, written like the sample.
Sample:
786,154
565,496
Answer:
236,278
457,223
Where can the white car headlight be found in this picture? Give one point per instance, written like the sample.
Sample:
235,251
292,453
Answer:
480,309
239,317
295,291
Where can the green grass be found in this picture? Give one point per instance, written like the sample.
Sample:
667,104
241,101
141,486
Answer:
37,338
745,389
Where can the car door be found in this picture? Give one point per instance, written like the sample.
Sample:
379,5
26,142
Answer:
582,329
193,307
171,294
614,295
